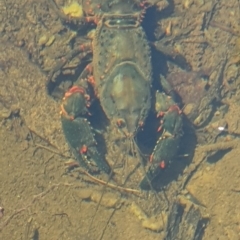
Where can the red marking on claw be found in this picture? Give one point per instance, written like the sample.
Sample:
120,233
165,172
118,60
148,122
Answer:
160,114
175,108
84,149
151,158
162,164
64,113
89,68
74,89
87,97
160,127
91,80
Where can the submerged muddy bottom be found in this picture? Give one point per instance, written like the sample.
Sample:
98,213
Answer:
42,201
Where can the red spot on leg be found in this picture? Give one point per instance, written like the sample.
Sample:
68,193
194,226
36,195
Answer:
162,164
84,149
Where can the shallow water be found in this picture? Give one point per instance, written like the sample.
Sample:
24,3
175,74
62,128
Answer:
43,201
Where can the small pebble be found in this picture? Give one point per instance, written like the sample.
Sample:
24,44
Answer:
5,113
1,212
50,41
42,40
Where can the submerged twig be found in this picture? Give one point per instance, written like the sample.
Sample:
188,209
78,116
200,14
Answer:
119,188
50,150
224,28
219,146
